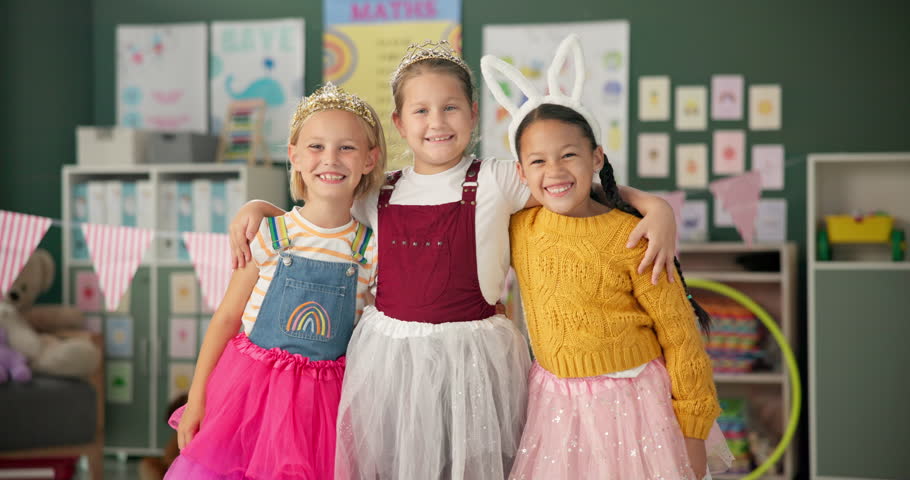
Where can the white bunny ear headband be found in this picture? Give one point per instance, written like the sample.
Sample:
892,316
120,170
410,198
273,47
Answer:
571,44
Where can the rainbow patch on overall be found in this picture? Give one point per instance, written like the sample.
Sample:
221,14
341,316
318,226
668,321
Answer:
310,317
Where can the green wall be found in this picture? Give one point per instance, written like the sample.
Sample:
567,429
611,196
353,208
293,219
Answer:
841,63
45,91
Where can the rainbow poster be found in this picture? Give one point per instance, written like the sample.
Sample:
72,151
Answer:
363,42
310,317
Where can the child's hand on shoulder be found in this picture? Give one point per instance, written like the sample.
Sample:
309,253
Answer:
243,228
659,227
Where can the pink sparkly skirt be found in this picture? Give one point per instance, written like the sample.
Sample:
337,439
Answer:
269,414
607,428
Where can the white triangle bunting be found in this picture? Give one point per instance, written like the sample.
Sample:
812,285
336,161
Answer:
739,195
116,253
20,234
211,257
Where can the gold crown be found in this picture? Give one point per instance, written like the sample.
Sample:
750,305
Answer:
429,49
331,97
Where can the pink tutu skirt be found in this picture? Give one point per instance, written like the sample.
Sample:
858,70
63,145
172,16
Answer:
269,414
607,428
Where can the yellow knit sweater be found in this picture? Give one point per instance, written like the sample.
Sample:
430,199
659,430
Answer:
590,313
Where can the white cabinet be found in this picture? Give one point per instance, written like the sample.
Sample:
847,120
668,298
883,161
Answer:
143,365
859,306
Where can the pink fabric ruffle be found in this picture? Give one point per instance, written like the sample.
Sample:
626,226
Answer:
269,414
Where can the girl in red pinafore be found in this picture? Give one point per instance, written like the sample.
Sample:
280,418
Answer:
436,381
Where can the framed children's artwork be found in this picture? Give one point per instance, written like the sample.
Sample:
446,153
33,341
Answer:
653,98
161,77
729,152
653,155
764,107
727,97
769,160
692,165
691,108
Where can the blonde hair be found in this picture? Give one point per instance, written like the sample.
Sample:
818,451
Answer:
375,138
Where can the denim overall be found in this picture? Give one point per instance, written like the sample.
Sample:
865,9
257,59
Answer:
309,307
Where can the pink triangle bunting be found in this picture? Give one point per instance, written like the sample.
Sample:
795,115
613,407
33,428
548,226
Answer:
116,253
739,195
211,257
676,200
20,234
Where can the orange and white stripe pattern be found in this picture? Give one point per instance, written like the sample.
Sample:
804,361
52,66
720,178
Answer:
20,234
115,252
211,257
311,242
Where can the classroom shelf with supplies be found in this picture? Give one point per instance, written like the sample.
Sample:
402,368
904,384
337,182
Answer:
752,381
153,337
858,215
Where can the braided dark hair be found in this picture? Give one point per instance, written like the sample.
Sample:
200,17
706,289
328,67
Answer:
609,195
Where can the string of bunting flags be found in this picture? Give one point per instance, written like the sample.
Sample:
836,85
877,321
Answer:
117,251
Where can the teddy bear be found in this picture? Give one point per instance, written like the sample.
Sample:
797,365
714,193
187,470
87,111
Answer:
13,365
31,328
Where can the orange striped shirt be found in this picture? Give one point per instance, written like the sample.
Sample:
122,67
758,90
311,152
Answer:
309,241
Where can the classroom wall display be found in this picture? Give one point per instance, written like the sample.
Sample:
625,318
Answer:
771,221
729,152
258,59
161,77
727,97
694,221
653,155
180,377
691,108
364,40
653,98
530,48
692,165
764,107
769,160
119,381
118,336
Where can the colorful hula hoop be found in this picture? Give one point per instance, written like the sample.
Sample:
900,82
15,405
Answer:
789,358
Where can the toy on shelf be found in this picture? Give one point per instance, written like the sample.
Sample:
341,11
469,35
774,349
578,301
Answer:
735,343
241,137
734,425
876,227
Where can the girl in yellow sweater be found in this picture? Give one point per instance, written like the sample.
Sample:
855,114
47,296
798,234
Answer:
622,387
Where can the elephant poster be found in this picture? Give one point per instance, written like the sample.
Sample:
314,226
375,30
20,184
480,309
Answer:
161,77
258,59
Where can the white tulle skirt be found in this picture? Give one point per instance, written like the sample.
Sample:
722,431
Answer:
424,401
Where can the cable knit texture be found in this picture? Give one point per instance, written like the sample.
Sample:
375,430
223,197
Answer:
589,312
